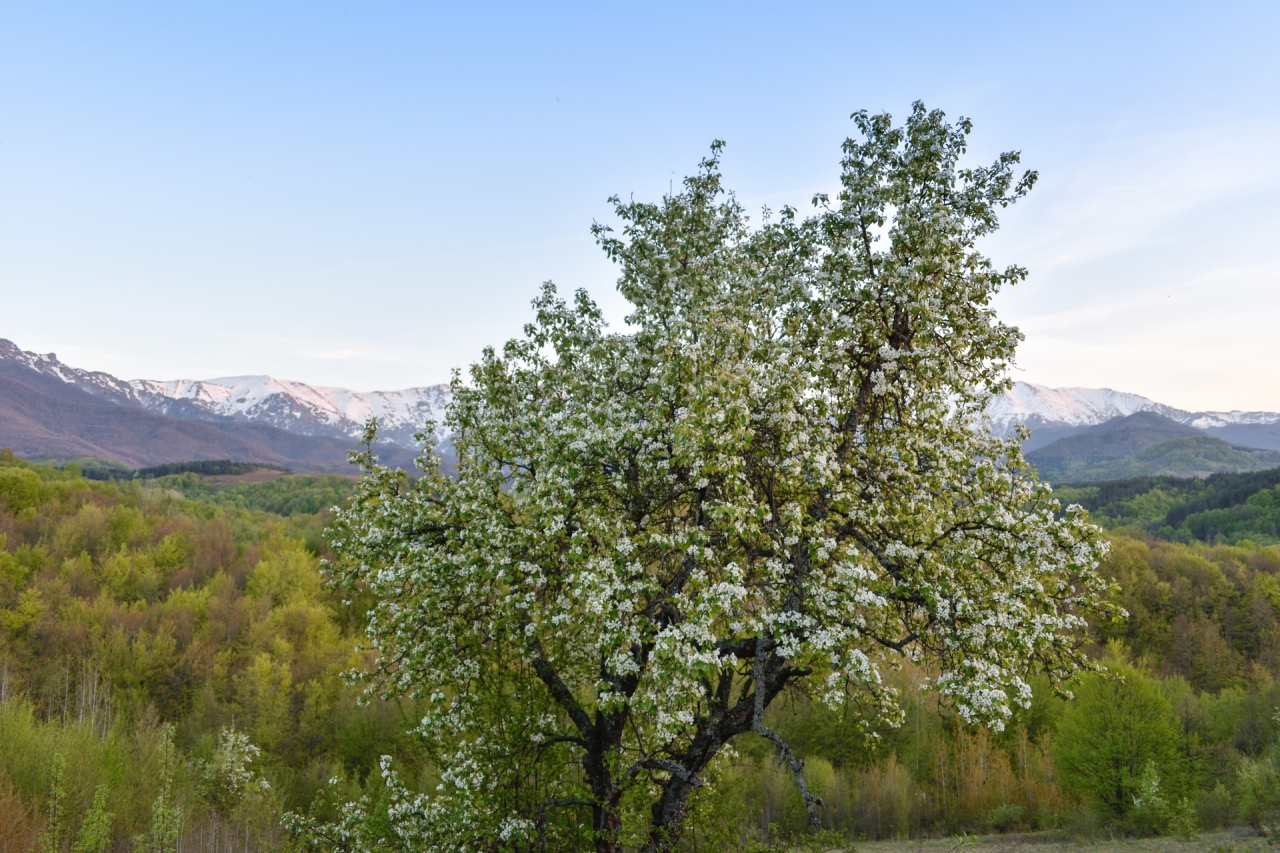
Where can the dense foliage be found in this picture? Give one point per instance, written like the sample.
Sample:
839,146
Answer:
772,482
95,468
1220,508
299,494
1189,708
1116,728
123,607
208,467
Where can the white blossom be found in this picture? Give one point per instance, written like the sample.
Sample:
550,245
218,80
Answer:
772,477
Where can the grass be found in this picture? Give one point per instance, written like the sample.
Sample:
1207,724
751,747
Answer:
1238,840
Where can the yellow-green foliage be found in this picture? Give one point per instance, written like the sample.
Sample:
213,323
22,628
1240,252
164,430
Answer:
1208,613
1119,727
123,608
1200,656
19,488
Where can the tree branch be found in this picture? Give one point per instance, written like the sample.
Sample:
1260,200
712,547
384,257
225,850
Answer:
784,751
896,645
559,690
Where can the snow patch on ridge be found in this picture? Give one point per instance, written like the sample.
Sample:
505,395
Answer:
318,410
1027,401
1209,420
1072,406
304,408
292,406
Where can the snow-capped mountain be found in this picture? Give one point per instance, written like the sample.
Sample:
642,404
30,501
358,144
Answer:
337,412
297,407
1211,420
96,383
291,406
1029,403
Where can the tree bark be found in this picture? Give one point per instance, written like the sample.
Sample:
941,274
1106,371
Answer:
723,723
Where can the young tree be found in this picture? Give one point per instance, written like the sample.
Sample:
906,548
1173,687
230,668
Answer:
95,828
56,818
166,814
776,478
229,776
1117,732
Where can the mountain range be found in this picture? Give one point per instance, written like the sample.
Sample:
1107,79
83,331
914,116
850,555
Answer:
1144,444
1055,413
51,410
290,406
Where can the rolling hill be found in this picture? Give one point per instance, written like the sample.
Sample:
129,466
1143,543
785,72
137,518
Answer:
1143,444
1221,508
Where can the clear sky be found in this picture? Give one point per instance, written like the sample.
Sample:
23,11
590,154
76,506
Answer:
366,194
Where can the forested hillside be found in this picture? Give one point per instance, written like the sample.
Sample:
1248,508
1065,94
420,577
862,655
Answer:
1221,508
129,614
191,610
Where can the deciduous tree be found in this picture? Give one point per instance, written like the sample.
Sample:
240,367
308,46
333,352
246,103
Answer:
775,478
1118,729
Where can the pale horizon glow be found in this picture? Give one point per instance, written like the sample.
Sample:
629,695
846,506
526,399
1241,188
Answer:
365,197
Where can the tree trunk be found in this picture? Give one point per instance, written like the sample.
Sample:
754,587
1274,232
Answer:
606,823
669,814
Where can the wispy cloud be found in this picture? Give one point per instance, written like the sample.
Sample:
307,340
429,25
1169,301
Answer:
1129,192
1153,268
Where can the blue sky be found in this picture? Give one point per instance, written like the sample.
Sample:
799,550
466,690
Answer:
365,195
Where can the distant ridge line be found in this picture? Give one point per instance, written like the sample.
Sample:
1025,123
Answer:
292,406
246,405
1027,401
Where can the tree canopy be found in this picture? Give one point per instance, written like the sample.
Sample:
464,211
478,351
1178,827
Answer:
774,479
1118,725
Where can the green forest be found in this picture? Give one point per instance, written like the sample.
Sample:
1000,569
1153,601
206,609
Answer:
1222,509
172,677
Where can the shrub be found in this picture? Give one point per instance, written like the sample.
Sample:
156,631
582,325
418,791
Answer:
19,488
1259,786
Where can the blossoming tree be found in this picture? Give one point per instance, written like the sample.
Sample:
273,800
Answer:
776,478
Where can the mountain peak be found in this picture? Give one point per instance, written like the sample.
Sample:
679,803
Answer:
1027,401
282,403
